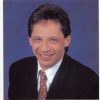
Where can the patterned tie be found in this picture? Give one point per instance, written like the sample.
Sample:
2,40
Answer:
43,88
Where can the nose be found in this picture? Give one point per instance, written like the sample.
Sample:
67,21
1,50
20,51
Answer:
45,46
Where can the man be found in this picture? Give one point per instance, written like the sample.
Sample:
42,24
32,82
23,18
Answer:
51,73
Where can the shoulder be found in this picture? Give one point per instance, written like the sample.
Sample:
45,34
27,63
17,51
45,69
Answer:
79,70
25,60
76,64
25,63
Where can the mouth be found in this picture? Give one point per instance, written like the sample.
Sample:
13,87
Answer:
45,56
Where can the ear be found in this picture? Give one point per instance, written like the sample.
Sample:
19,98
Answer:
67,40
30,41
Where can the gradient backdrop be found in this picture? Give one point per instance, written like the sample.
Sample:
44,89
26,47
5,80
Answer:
84,23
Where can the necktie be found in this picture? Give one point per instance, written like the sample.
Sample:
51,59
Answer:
43,88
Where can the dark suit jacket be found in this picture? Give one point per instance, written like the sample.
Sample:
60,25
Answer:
72,81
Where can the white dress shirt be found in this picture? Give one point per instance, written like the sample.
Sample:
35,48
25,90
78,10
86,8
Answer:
50,73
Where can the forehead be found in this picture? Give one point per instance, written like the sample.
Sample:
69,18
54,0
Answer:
47,27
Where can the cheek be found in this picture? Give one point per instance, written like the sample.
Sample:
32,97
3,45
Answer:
34,48
59,49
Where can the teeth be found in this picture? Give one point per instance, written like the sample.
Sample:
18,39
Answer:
45,55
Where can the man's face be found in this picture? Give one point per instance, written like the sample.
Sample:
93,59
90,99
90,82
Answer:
48,43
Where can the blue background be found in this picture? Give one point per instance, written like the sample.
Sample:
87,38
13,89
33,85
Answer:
84,24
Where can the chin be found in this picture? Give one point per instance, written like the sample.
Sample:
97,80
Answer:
45,64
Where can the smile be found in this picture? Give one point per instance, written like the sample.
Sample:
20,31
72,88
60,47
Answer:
45,56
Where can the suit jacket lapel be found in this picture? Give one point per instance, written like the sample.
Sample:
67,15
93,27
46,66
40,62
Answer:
60,80
33,78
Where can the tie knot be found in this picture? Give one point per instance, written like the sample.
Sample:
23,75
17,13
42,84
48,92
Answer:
42,75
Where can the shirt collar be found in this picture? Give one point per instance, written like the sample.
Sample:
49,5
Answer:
50,73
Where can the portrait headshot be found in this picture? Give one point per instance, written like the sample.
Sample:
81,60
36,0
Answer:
51,49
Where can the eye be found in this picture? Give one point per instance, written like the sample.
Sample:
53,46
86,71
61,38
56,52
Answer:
54,40
37,39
